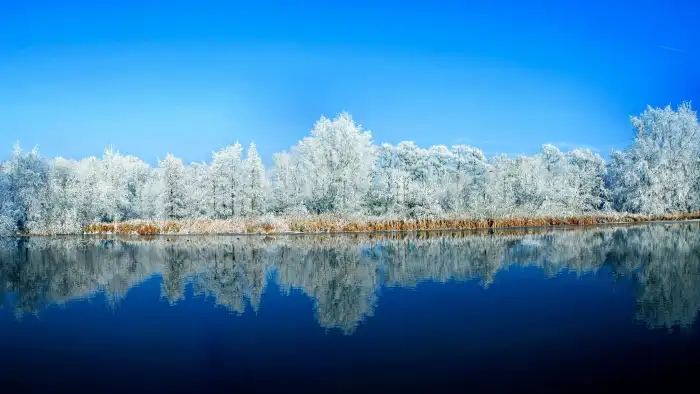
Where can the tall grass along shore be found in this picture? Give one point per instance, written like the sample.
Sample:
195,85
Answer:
334,224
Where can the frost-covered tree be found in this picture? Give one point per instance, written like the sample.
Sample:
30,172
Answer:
287,183
87,196
382,196
200,191
149,198
227,173
501,179
8,208
402,181
173,198
587,174
442,173
112,187
211,194
471,167
419,192
122,183
529,186
63,191
337,162
27,176
137,174
337,169
659,172
557,191
256,186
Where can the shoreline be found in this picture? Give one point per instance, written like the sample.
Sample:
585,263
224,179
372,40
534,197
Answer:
312,225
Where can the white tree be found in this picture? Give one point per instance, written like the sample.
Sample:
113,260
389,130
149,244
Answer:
287,184
471,167
88,201
659,172
414,182
256,185
28,175
227,174
338,169
113,186
136,175
63,190
556,190
337,161
501,192
587,175
382,197
172,195
529,186
9,211
200,190
418,195
149,197
442,174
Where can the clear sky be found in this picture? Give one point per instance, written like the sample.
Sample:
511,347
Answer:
187,78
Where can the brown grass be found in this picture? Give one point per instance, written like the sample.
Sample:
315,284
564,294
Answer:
172,227
335,223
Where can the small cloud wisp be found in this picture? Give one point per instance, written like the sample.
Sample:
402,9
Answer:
672,49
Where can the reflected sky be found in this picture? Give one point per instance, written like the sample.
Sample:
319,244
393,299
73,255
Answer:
336,305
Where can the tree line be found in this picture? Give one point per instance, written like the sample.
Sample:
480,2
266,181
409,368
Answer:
339,169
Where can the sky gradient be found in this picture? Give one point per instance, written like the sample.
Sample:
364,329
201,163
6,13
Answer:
188,78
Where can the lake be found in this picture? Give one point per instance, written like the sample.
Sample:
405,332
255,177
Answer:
422,311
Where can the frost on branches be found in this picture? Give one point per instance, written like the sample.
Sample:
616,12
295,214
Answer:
339,169
660,171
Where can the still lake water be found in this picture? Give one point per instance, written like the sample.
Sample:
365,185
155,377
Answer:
464,311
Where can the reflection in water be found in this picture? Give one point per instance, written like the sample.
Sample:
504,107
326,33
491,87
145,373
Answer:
343,273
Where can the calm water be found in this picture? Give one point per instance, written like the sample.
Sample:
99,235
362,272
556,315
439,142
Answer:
580,309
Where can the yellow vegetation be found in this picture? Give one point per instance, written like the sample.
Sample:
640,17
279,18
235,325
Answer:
336,223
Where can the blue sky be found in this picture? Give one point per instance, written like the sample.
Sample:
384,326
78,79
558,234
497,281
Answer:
187,78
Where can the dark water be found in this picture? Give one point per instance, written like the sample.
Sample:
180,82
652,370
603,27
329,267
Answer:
432,312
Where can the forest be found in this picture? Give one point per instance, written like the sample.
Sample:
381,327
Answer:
339,173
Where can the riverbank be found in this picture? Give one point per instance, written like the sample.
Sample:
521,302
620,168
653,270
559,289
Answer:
336,224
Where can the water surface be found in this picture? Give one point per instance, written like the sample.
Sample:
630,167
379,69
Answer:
429,311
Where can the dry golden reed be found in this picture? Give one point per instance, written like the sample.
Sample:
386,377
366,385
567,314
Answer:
336,223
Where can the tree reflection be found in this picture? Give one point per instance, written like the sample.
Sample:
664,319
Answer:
343,273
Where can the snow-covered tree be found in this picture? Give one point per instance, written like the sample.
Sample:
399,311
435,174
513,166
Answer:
337,162
587,175
500,199
28,176
659,172
63,191
136,173
173,196
201,191
411,182
227,173
442,173
119,184
471,167
338,169
287,184
8,208
416,182
88,201
382,196
557,192
149,198
256,186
